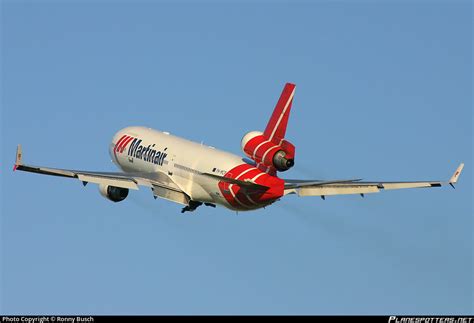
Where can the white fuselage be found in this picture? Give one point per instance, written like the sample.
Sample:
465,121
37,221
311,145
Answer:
145,150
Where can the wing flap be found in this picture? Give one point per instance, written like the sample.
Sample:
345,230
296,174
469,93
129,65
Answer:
337,190
107,180
397,186
170,194
299,184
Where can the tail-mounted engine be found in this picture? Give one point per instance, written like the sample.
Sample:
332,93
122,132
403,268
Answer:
263,151
269,148
113,193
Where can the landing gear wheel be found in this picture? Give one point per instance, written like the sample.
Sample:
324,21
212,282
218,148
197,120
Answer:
193,205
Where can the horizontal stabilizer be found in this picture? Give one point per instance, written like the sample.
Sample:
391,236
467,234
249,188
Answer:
244,184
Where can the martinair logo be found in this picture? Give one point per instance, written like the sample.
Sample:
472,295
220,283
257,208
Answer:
137,150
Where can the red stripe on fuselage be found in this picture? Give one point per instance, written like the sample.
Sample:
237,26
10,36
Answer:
253,143
225,187
251,199
249,173
119,142
124,144
261,150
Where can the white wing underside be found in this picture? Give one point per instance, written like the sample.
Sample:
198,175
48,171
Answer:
160,183
356,186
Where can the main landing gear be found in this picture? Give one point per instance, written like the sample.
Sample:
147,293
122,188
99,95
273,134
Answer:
193,205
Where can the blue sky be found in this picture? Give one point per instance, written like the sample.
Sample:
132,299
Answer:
384,92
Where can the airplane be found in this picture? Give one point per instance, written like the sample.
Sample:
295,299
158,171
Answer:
193,174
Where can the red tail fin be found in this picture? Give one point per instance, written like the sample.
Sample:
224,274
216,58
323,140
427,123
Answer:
276,127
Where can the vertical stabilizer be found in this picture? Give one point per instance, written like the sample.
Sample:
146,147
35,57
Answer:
276,127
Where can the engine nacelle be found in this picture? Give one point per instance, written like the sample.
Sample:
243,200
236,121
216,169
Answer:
257,147
113,193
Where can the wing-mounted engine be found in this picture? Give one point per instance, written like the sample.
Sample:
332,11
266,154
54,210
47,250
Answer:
265,152
113,193
270,148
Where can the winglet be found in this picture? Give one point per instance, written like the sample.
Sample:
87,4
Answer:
18,157
456,174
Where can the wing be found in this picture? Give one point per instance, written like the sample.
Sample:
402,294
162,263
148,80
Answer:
161,184
356,186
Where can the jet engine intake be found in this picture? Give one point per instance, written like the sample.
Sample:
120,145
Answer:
113,193
279,156
281,163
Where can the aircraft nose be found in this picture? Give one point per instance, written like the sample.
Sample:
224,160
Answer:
116,141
